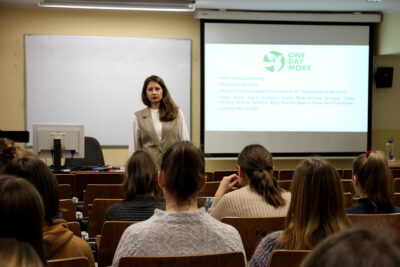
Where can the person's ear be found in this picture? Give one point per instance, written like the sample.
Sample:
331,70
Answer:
160,179
240,172
203,183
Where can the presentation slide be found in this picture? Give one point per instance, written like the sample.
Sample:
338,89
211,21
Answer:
298,95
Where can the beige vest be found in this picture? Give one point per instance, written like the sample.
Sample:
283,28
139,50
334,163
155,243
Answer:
149,139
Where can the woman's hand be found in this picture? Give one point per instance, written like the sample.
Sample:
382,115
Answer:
226,185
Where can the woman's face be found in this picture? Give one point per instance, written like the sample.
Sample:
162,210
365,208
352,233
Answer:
154,93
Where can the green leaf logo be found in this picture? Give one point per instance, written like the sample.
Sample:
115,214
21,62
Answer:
274,60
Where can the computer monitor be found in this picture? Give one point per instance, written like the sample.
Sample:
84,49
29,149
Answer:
58,140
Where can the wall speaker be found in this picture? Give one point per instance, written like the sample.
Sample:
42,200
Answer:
384,77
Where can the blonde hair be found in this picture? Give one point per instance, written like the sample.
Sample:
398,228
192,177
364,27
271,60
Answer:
316,209
14,253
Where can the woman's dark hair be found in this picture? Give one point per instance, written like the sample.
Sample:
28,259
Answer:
355,247
8,151
256,162
168,109
141,176
183,170
14,253
21,212
375,178
37,173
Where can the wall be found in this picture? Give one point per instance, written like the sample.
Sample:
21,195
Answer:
15,22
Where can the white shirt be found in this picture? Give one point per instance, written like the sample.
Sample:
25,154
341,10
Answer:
134,137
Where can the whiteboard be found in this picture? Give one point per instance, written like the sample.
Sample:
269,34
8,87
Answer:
97,81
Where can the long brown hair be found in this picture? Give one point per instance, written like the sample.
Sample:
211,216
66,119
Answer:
141,176
21,212
375,178
15,253
316,209
8,151
168,109
256,161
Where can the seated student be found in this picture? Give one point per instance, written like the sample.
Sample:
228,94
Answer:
59,241
142,192
355,247
14,253
8,151
21,213
316,211
372,180
260,196
182,229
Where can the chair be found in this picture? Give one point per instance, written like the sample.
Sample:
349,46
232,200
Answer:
347,174
287,258
93,155
380,222
253,229
340,171
210,176
68,211
75,228
98,215
284,184
286,174
209,190
110,236
218,175
395,172
231,259
396,199
82,179
66,178
348,186
348,199
94,191
396,185
68,262
65,191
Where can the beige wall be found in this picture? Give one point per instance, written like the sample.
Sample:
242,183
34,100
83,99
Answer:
14,23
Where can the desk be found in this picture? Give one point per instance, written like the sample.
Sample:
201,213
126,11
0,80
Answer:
80,179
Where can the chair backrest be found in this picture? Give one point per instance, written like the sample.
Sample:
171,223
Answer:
83,178
348,199
218,175
209,189
93,155
286,174
66,178
253,229
94,191
347,174
231,259
284,184
396,185
68,211
380,222
288,258
65,191
210,176
395,172
110,236
348,185
68,262
396,199
75,227
98,214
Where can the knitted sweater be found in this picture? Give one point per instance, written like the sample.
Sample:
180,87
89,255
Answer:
262,255
178,233
139,208
246,203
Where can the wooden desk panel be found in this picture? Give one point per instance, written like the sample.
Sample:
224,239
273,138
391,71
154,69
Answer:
82,179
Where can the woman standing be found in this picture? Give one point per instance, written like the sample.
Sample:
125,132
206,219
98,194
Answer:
160,125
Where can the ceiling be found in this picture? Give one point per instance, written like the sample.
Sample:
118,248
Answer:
384,6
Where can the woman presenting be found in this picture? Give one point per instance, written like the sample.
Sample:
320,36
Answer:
160,125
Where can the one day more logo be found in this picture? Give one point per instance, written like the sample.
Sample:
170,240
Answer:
274,60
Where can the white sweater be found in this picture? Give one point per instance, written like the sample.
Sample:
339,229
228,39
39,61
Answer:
178,233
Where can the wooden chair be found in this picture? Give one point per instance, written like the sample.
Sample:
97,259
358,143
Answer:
231,259
209,190
340,171
68,211
287,258
94,191
286,174
218,175
65,191
98,214
395,172
396,185
68,262
75,227
210,176
348,186
253,229
396,199
67,178
284,184
348,200
380,222
110,236
82,179
347,174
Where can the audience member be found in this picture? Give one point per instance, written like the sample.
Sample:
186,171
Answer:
21,213
142,192
8,151
14,253
59,241
372,180
260,194
355,247
182,229
316,211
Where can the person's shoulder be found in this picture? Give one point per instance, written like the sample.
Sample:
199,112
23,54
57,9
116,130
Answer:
358,209
271,238
141,112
